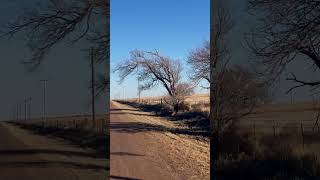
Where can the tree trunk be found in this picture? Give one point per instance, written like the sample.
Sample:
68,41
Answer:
213,139
176,108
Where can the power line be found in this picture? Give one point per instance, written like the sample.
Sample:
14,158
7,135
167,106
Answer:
30,99
93,88
44,82
25,109
139,89
20,111
17,112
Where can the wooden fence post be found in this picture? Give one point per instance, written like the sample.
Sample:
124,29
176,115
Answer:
254,129
255,139
274,128
302,136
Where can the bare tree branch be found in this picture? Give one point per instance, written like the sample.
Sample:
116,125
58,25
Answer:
301,83
47,26
199,59
155,69
64,20
287,30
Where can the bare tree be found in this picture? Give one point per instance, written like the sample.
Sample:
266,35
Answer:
55,21
199,59
286,31
220,24
238,92
219,53
155,68
178,101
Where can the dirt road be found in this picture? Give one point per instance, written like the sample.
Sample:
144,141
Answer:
27,156
142,147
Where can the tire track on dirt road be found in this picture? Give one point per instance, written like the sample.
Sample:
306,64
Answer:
140,148
27,156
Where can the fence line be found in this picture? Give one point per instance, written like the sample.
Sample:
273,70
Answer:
276,130
72,122
160,101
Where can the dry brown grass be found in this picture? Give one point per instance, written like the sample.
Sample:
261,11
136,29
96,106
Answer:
278,141
197,102
291,125
282,118
82,122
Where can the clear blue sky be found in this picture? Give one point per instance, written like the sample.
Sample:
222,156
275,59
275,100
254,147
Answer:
172,27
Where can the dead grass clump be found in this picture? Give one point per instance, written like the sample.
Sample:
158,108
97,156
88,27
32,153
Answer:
255,160
234,144
185,107
201,108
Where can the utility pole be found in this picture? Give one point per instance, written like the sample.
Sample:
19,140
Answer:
44,82
30,99
17,112
123,95
92,88
20,111
25,109
139,90
12,114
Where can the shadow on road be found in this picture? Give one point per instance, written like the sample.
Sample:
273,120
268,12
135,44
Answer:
46,151
133,113
123,109
125,154
16,164
123,178
198,123
137,127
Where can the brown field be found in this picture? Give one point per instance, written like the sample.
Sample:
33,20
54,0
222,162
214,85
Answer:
282,118
267,119
83,122
277,141
292,126
298,121
196,101
195,97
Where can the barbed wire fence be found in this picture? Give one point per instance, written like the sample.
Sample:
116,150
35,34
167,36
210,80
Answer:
81,122
195,104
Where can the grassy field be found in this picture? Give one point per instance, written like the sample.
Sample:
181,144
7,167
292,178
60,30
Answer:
271,119
291,125
197,102
192,98
282,118
194,120
277,141
82,122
